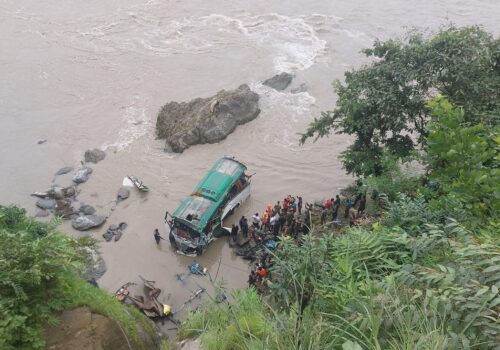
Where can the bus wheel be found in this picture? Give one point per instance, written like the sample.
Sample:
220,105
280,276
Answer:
199,251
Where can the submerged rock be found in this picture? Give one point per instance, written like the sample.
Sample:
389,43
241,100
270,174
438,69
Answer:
206,120
42,214
123,193
94,155
46,203
63,208
82,175
86,209
279,81
64,170
115,231
86,222
301,88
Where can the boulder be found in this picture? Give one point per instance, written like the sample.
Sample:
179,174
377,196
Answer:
118,235
206,120
82,175
83,329
114,231
95,267
48,203
94,155
123,194
279,82
86,209
64,170
86,222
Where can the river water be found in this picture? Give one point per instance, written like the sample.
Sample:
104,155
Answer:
85,74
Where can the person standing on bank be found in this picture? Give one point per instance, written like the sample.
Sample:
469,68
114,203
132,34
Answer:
234,232
256,220
244,226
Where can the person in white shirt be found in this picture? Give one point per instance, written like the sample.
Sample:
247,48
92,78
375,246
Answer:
256,220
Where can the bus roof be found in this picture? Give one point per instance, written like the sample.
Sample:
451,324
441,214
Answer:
210,192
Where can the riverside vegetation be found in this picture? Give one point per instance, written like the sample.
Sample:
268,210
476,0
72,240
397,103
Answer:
424,271
39,277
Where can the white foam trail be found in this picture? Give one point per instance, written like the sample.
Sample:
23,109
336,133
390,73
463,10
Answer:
293,41
136,124
281,113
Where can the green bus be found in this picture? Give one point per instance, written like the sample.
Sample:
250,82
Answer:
198,219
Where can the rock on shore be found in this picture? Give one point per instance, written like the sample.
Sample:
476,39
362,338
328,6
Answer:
206,120
83,329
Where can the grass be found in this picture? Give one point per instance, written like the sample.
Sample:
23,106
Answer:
80,293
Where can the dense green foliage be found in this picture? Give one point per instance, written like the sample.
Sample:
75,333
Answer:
376,287
423,271
463,159
38,278
384,104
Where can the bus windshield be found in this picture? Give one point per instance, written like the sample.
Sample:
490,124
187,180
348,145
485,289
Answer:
195,210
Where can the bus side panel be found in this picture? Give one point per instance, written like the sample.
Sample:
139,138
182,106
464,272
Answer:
236,201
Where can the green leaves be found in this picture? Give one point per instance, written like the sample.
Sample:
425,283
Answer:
463,159
384,104
33,261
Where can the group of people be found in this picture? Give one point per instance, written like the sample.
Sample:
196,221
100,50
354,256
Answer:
282,218
332,205
257,276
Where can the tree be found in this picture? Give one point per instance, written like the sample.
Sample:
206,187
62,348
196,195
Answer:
463,159
384,104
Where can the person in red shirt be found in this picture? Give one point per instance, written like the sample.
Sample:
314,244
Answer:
261,271
285,204
328,204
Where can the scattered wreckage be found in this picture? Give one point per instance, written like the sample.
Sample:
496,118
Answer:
131,181
148,302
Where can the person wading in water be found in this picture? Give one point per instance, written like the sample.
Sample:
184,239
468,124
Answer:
157,236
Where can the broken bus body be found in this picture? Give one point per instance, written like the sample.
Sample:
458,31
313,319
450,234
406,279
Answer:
198,219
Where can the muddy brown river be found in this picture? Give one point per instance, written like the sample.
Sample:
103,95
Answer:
85,74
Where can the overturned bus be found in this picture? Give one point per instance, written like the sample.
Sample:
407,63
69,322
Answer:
198,219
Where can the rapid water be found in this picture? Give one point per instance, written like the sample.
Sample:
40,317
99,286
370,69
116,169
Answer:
85,74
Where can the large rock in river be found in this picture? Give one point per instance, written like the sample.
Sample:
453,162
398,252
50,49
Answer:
206,120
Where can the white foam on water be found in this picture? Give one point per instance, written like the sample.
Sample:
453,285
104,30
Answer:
293,41
282,113
145,30
136,124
